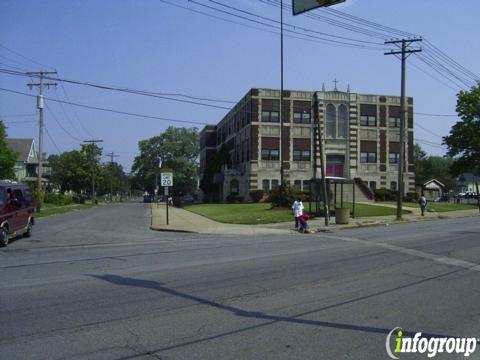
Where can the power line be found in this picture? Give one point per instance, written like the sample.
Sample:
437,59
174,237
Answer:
18,115
53,141
60,124
294,26
111,110
24,57
322,39
427,130
66,114
125,90
440,115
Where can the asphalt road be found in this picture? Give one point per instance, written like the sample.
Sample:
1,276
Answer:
98,284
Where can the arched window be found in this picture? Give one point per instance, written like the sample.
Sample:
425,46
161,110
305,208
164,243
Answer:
330,123
342,121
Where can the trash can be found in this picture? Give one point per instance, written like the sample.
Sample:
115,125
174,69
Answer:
342,215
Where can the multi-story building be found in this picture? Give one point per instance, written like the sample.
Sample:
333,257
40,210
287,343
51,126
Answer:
360,135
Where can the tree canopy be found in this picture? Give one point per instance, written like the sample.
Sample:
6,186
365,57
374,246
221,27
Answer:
433,167
178,149
7,156
463,142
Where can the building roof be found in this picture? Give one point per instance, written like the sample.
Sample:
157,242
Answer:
433,184
24,148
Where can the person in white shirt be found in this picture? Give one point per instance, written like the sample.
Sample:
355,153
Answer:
297,208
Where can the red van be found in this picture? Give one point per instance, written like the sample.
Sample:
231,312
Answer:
17,210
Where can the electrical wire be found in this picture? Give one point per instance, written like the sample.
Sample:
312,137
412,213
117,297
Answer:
294,26
51,139
24,57
322,39
109,110
60,124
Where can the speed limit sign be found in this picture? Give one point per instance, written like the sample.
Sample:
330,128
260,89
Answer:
167,179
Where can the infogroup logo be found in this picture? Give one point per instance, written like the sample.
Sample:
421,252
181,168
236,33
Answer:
431,346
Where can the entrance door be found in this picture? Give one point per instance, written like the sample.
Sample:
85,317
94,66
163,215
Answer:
335,166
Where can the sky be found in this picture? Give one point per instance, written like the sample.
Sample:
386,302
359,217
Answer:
167,46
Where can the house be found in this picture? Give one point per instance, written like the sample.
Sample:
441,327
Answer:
433,189
360,135
27,159
467,183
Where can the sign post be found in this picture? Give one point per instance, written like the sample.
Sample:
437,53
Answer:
166,181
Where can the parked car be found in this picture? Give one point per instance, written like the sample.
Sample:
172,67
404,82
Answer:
147,198
17,211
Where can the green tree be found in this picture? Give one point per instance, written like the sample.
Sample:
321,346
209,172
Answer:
70,171
432,167
112,179
178,149
463,142
7,156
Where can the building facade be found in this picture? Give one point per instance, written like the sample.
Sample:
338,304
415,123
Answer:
359,132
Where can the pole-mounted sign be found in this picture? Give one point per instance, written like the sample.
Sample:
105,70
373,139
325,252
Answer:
166,180
301,6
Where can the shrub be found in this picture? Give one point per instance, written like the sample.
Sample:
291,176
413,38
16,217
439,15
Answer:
57,199
411,197
385,195
79,199
234,199
256,195
282,196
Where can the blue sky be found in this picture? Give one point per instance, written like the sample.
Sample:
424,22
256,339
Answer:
153,46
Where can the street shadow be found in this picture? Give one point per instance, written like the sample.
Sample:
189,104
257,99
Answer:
271,318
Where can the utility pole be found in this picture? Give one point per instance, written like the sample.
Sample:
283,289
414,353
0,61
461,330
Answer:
404,52
281,96
40,105
111,155
93,142
326,210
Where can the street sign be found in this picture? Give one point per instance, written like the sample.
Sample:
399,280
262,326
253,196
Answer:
166,179
301,6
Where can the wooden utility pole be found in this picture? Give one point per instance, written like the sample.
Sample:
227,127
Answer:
404,52
111,155
40,105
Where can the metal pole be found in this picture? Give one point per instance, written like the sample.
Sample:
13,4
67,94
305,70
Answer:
322,165
281,93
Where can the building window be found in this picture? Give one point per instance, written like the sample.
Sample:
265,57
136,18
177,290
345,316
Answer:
266,185
368,157
306,185
269,154
342,121
301,117
275,184
373,185
270,116
330,123
393,158
368,120
393,122
297,185
393,186
301,155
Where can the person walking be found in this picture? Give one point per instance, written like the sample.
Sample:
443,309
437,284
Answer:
297,208
423,204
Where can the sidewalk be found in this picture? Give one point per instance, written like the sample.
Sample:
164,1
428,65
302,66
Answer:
186,221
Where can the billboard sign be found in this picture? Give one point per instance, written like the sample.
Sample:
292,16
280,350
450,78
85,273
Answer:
301,6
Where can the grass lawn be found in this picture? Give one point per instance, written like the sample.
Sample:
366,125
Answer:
439,206
50,209
262,214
